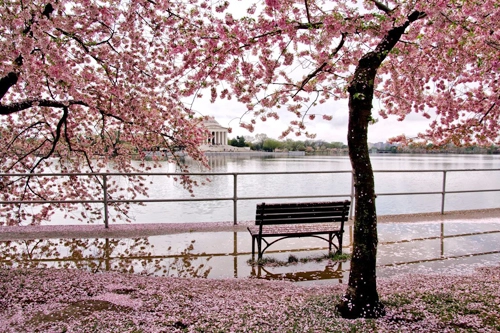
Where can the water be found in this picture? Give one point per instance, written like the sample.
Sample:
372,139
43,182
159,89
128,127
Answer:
455,246
252,188
322,184
450,247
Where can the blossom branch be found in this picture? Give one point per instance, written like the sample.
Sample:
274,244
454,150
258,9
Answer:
323,65
487,112
29,103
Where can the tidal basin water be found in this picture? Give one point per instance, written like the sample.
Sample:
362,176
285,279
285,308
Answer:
438,245
162,187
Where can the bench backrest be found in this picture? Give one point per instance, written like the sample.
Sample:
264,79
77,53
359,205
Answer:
295,213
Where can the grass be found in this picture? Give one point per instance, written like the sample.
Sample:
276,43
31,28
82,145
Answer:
292,259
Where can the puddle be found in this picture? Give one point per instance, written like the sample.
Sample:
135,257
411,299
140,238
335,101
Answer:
446,248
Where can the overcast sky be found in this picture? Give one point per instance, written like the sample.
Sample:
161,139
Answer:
227,113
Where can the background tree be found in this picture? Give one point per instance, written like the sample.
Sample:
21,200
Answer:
239,141
271,144
82,84
336,145
295,145
434,57
259,141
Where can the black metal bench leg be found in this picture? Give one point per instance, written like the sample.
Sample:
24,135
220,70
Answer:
259,247
339,237
253,247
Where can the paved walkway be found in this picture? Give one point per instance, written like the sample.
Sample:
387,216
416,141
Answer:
144,229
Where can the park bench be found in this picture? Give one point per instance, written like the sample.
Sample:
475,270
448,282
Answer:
324,220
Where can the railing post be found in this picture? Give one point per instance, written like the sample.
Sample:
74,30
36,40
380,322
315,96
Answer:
105,199
442,239
443,193
235,198
352,196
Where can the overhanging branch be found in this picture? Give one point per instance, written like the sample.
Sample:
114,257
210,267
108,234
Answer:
20,106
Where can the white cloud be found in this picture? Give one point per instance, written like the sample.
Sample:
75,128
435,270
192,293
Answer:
391,127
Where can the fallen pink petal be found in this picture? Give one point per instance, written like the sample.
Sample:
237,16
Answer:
68,300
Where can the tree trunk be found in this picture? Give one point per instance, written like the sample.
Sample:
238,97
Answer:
361,297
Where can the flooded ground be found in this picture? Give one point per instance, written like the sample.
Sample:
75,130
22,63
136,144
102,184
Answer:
452,244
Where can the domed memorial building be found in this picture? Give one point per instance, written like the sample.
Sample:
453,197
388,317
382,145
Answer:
217,141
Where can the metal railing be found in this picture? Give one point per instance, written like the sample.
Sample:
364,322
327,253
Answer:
107,200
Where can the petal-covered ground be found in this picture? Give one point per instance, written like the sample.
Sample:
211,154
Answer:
63,300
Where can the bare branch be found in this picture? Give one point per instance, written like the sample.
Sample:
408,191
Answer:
493,44
301,26
48,10
307,11
382,7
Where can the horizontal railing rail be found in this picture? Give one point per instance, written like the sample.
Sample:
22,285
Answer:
107,200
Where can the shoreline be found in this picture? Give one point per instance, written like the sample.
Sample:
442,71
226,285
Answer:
150,229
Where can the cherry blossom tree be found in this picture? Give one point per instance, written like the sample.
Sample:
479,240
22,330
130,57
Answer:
84,82
438,58
85,86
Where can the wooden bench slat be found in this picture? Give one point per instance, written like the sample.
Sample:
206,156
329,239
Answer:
297,211
282,207
304,204
273,209
297,220
269,215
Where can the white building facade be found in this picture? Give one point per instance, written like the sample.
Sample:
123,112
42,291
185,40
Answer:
217,140
218,134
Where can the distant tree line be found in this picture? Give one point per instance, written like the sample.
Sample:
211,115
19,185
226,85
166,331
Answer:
422,148
261,142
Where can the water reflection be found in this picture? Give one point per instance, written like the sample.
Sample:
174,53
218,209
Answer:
425,247
332,271
129,255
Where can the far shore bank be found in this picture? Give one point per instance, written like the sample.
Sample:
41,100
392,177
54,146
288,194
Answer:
150,229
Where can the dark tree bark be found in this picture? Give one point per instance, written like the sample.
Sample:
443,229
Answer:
6,82
361,298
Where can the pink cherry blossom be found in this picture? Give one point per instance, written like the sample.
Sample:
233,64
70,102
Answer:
55,300
89,85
